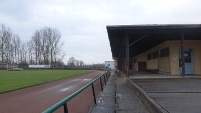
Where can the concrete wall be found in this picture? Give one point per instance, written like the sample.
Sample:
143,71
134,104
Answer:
160,63
175,47
115,61
39,66
170,64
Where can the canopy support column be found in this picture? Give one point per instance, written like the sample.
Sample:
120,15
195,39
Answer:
127,55
182,54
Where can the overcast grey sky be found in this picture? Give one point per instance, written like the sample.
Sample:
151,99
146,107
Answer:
82,23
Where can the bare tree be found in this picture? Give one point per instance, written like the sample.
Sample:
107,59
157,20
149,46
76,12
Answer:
81,63
5,42
36,44
44,47
72,62
30,52
16,41
11,46
47,45
77,63
54,37
24,53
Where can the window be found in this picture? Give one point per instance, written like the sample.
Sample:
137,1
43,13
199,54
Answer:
149,56
155,55
165,52
187,56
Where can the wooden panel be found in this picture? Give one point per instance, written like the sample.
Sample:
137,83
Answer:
142,66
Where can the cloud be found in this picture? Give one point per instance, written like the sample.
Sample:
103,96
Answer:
82,23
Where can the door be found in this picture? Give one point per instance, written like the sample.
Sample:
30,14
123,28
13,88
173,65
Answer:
189,61
142,66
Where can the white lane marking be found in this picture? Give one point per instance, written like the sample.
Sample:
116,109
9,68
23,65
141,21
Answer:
75,80
86,79
64,89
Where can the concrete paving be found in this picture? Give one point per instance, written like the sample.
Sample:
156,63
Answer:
171,94
118,97
106,100
127,101
160,93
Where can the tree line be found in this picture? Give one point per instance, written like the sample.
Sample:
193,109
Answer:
72,62
44,47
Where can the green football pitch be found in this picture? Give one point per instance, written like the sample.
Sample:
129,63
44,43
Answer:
12,80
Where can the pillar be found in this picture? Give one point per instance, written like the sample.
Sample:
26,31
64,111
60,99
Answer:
127,55
182,54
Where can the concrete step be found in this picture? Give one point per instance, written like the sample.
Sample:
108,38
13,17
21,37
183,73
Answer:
127,101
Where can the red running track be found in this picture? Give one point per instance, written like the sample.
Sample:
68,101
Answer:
38,98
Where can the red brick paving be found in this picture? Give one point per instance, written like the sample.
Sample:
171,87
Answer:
38,98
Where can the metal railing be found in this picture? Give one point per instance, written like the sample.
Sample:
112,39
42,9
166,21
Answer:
63,102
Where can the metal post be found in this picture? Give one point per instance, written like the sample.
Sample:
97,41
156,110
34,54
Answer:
101,84
182,54
94,93
104,79
65,108
127,55
108,76
65,100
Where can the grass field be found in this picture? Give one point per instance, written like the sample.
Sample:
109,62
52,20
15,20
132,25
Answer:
12,80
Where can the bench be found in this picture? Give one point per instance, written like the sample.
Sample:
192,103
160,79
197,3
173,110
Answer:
152,70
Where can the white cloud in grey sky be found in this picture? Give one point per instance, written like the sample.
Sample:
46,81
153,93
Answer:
82,23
